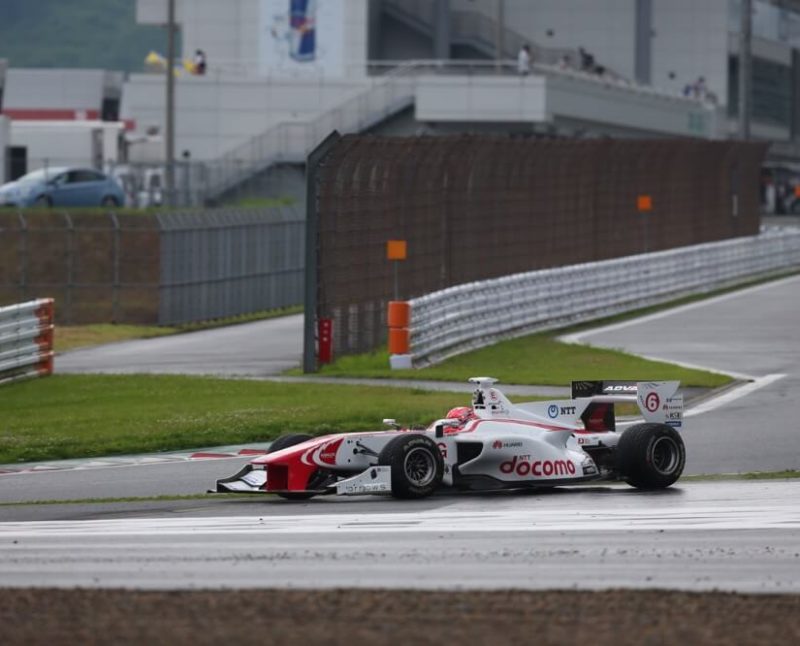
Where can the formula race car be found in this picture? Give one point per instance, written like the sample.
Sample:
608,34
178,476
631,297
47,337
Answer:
492,444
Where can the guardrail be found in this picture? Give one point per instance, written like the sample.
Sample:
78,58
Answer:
474,315
26,340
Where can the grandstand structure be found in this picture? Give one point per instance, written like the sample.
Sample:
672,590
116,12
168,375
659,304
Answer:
282,74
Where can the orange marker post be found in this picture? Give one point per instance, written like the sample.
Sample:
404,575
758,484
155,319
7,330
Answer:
644,205
399,314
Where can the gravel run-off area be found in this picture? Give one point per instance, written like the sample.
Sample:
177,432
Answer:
97,616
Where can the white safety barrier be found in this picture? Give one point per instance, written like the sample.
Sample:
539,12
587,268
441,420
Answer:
26,340
474,315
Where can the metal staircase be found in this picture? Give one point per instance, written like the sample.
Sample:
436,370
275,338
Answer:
291,141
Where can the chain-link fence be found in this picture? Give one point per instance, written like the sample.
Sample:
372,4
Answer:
472,208
226,262
167,268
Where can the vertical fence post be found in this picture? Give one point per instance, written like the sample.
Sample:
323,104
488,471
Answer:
115,287
313,166
70,266
23,256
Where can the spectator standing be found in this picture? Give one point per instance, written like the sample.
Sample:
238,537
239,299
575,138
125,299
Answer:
199,62
587,60
524,60
700,88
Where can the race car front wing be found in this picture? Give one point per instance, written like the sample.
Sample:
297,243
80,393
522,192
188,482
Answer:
374,480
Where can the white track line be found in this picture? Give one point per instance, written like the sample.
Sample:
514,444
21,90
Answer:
780,515
578,337
753,383
728,396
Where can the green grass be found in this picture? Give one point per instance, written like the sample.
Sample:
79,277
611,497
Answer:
69,416
70,337
542,359
534,359
257,202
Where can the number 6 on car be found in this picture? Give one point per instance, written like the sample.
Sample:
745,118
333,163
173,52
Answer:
492,444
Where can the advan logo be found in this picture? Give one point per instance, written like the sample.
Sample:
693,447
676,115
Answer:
522,467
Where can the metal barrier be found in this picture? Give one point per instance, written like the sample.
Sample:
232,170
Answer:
229,262
169,268
474,315
26,340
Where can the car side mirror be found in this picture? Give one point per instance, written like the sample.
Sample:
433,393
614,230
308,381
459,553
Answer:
391,422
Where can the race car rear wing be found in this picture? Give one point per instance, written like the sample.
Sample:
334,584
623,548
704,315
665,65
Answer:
658,400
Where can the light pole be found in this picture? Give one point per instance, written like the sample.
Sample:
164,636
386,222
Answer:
169,177
745,68
499,21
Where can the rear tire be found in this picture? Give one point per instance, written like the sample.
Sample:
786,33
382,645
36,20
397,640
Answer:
651,456
284,442
109,202
417,465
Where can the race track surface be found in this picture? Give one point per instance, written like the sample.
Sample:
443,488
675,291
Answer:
732,535
257,349
753,334
742,536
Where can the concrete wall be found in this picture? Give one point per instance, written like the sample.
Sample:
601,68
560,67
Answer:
231,32
54,89
67,143
569,100
214,114
690,39
480,98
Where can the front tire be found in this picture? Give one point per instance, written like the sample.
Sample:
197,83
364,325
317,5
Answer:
42,202
417,465
651,456
109,202
284,442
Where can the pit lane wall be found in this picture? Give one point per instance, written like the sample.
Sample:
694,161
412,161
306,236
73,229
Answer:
474,315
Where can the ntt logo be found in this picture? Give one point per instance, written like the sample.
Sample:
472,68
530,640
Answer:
537,467
552,411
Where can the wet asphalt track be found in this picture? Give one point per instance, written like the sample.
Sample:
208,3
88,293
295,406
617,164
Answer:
700,535
741,536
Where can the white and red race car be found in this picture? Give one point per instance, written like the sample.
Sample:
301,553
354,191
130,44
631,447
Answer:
492,444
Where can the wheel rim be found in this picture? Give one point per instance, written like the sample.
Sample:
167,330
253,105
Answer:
419,467
665,455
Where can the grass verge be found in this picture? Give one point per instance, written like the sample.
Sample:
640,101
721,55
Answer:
535,359
542,359
69,416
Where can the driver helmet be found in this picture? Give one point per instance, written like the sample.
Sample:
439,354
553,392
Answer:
461,413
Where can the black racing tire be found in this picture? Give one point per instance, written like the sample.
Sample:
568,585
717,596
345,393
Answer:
43,202
284,442
651,456
109,202
417,465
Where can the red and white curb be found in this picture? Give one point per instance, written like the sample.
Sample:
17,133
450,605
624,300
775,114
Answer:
130,460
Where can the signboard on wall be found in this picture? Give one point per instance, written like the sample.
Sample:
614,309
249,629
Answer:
302,38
